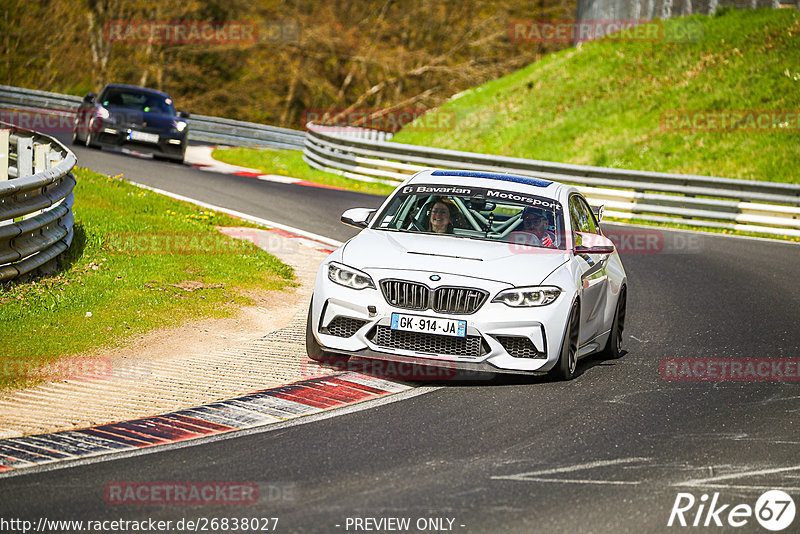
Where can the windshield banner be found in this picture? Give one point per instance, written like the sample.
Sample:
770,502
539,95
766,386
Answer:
487,194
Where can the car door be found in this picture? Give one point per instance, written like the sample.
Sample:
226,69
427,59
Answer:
594,277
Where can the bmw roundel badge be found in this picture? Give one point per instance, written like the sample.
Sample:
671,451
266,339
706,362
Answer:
435,277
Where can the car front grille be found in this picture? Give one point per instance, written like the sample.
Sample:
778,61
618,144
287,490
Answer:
520,347
408,295
461,300
431,343
343,326
416,296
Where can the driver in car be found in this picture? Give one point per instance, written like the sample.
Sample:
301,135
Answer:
441,217
534,229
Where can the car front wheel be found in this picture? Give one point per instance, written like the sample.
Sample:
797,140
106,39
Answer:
313,348
568,357
613,349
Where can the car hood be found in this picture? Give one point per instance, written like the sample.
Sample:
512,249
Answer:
517,265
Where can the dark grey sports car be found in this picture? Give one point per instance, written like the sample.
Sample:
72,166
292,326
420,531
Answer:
142,119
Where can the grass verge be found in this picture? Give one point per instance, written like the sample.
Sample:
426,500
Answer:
607,104
610,104
138,261
290,163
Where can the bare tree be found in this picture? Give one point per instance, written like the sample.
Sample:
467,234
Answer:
666,9
100,12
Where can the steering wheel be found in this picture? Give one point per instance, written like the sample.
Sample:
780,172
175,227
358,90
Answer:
414,225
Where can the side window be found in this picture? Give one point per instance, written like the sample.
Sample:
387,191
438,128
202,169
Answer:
592,222
581,216
574,214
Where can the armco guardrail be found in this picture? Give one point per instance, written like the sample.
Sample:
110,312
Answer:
201,127
743,205
363,154
36,187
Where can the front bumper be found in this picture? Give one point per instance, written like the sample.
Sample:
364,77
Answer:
172,145
498,338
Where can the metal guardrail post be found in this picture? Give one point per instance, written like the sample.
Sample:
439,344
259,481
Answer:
40,151
52,159
4,135
24,156
35,207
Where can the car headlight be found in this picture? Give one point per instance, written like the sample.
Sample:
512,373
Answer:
525,297
102,112
349,277
180,126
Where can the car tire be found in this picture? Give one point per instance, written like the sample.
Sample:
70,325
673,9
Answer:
568,356
613,348
75,137
313,348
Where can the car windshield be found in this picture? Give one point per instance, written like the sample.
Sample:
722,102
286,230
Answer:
138,100
476,213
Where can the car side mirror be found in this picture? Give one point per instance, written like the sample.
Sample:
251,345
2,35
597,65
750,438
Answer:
358,217
598,212
89,98
183,114
589,243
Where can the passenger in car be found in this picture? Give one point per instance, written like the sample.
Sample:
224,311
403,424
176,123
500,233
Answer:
534,229
441,217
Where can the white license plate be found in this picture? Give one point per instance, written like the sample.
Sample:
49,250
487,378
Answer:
429,325
144,137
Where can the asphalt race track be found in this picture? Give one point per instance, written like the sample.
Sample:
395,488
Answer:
607,452
285,203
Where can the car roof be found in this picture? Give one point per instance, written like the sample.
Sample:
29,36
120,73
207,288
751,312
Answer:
135,88
507,181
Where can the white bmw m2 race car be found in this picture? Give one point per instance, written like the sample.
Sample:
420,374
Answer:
472,271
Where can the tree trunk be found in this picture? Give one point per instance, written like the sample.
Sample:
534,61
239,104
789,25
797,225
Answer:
99,47
651,7
637,10
666,9
292,89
